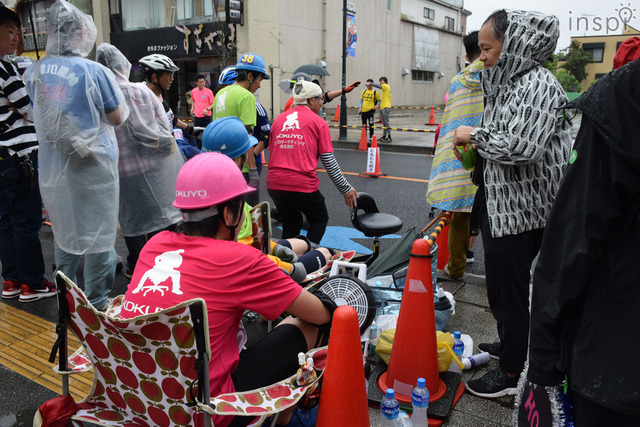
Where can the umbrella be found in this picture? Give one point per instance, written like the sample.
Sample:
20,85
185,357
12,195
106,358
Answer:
285,85
312,70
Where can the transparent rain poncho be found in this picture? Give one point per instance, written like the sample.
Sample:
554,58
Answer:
149,156
76,104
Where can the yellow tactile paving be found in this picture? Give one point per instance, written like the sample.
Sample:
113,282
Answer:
25,345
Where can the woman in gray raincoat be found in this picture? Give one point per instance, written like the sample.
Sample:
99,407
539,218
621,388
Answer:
77,103
149,160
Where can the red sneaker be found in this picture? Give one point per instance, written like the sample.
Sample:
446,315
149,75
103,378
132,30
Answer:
11,289
28,294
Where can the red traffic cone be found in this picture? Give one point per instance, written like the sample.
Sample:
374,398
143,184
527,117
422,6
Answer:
415,350
373,157
336,117
432,117
363,139
443,247
343,401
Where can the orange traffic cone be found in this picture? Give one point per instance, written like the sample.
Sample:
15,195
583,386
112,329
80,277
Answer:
344,397
415,349
336,117
432,117
375,158
363,139
443,247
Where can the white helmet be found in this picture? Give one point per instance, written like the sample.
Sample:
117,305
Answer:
157,63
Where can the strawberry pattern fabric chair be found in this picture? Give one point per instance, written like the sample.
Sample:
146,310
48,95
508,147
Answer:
148,370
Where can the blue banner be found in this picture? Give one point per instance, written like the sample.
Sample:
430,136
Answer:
352,35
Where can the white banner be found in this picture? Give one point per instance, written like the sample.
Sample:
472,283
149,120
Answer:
371,159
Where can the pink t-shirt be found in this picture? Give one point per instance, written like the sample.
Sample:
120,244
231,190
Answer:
202,99
229,276
298,137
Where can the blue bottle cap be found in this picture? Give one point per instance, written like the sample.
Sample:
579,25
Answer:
422,382
456,334
391,394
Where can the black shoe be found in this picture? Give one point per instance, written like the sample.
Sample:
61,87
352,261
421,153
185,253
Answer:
492,348
470,257
493,384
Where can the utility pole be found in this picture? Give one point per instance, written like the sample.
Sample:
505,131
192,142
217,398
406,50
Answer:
343,98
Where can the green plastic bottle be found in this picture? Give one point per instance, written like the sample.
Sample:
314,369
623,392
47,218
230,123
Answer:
468,157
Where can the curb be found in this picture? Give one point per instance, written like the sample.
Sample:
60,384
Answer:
393,147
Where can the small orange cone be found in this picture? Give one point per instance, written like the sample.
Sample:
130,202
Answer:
432,117
336,117
376,169
343,401
363,139
415,350
443,247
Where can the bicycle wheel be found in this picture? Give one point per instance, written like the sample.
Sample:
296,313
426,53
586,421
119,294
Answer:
346,289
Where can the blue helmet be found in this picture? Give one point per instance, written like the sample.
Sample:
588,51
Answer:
252,62
228,76
228,136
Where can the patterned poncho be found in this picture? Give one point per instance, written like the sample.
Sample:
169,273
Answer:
450,187
524,138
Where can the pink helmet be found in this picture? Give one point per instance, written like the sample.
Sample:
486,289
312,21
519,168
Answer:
207,180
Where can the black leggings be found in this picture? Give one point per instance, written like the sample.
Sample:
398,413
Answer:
292,204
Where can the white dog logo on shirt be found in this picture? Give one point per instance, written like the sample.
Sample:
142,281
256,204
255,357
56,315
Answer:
164,269
291,122
220,106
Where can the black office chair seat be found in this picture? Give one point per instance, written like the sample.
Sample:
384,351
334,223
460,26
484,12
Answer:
379,224
373,223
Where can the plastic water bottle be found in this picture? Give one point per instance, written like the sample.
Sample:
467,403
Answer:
404,420
420,403
389,408
458,345
373,338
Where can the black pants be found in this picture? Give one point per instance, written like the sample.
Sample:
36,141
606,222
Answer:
292,204
508,270
202,121
136,243
367,119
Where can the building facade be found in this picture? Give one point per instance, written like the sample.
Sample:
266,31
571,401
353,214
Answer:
416,44
602,50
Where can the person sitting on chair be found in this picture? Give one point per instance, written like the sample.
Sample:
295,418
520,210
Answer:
201,261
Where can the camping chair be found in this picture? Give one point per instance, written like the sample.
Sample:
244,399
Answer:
261,227
373,223
152,369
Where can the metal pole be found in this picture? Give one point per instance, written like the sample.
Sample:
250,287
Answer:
343,98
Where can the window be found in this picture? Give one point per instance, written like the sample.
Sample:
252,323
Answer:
595,50
389,6
598,75
429,13
421,76
40,11
145,14
449,23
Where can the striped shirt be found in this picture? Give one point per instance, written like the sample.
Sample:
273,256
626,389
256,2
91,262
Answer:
16,133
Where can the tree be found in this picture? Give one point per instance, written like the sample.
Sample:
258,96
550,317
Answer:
576,61
552,63
568,81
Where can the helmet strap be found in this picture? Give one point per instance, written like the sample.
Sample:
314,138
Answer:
232,228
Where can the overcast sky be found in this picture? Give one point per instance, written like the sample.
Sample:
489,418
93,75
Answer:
595,17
